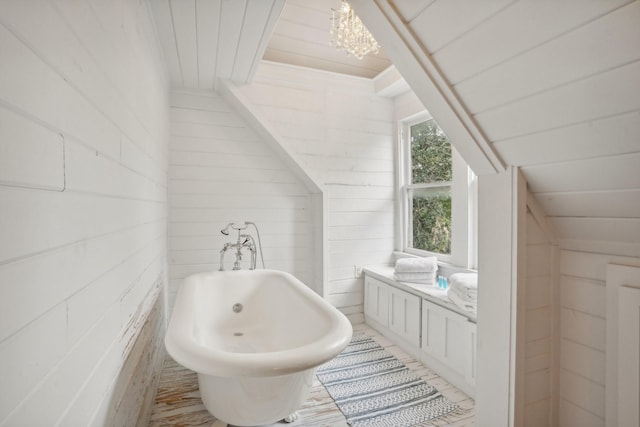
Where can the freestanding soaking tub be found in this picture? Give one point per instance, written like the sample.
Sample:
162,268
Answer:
255,338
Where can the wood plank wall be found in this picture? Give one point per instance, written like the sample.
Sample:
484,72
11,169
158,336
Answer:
583,346
539,316
343,133
83,149
220,172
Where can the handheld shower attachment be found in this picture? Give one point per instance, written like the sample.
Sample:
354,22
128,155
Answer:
233,225
225,230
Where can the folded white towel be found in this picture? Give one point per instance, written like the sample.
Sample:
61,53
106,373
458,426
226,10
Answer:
469,297
431,282
418,264
466,282
409,276
465,305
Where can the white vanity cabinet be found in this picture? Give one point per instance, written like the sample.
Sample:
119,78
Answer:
441,338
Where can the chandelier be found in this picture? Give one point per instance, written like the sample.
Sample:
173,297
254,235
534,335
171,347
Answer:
349,34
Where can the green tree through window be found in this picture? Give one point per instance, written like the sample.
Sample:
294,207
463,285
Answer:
431,204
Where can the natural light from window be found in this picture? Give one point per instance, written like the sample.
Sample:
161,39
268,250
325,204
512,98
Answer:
438,195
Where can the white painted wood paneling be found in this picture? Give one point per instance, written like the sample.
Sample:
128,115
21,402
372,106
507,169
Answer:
84,112
553,88
208,33
412,58
629,353
206,40
444,21
31,156
501,331
614,172
539,398
593,138
601,95
230,21
333,144
409,9
183,18
594,204
163,19
584,325
554,33
622,335
301,37
260,17
221,171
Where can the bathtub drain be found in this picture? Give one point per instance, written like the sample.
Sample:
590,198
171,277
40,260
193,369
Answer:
238,334
237,307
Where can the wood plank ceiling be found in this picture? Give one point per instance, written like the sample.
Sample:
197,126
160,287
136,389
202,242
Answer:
553,85
301,37
206,40
550,86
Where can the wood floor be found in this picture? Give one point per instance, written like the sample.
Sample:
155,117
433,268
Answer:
178,404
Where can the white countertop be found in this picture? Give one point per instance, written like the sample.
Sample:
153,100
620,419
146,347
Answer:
429,292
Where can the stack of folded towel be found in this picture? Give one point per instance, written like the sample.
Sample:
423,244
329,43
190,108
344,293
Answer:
417,270
463,291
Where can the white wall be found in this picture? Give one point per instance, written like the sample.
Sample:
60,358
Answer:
583,340
83,141
341,132
221,171
540,318
501,276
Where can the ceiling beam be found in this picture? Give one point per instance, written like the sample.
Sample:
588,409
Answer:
419,69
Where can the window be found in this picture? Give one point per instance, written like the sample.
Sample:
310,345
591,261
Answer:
437,196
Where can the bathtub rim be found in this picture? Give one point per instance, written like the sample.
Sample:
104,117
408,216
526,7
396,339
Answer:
185,349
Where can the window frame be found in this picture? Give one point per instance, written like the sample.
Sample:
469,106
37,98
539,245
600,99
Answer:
463,201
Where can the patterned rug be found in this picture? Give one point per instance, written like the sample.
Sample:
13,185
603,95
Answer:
372,388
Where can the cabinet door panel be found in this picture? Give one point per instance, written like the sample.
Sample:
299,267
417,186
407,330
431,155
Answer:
456,347
449,338
433,330
404,315
376,304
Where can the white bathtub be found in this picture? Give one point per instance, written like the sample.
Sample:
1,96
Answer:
254,366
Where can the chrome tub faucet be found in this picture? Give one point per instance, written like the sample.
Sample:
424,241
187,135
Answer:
243,241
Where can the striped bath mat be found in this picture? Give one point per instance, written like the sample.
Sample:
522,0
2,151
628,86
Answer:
372,388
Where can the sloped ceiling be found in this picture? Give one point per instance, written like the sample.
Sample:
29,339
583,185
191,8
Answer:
206,40
553,86
550,86
301,37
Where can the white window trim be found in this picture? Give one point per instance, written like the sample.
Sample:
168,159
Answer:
464,203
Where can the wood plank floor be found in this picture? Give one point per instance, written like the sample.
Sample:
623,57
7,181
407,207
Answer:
178,404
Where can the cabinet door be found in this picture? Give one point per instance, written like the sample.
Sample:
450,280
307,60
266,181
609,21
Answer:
434,323
446,337
404,315
456,351
376,300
